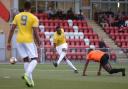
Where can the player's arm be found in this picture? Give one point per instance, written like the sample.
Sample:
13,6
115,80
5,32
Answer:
54,47
36,30
54,50
11,32
54,43
37,37
99,71
85,68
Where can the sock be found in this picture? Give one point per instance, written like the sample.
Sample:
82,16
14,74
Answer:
26,66
30,75
115,71
70,64
61,57
31,67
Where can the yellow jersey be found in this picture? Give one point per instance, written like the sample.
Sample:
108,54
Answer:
59,39
25,22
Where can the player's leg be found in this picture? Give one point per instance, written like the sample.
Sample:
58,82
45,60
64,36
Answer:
23,54
32,53
26,63
61,56
71,65
107,66
113,70
31,67
61,51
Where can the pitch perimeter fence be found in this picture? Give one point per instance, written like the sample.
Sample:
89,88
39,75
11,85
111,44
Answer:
77,55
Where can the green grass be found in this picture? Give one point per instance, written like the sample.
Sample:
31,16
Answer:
48,77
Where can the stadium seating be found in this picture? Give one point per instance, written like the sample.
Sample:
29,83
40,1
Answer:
78,34
119,36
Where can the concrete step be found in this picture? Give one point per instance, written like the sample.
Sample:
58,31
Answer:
101,33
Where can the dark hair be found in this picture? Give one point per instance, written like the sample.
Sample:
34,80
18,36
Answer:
27,5
57,27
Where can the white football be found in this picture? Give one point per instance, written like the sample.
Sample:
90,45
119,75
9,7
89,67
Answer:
13,60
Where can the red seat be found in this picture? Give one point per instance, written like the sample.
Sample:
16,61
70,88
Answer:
47,42
71,29
74,56
113,56
71,42
80,55
106,29
82,42
69,55
48,55
54,57
51,23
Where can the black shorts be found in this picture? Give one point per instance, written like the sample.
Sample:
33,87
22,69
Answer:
104,59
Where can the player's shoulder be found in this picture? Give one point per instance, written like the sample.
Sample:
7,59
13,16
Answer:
20,14
28,14
33,16
17,15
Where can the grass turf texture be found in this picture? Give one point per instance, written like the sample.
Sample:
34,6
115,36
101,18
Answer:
48,77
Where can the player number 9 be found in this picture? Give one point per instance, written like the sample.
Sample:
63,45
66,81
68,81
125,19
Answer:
23,20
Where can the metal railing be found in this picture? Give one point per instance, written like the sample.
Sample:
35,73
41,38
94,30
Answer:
75,54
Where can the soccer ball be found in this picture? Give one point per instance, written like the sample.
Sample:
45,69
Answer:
13,60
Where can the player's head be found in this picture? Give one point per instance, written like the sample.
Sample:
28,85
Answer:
58,30
27,5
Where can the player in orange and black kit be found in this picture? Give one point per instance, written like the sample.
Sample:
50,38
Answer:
102,58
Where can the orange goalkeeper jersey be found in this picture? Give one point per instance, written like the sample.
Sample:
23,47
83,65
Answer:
95,55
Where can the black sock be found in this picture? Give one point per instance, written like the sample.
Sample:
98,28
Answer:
115,70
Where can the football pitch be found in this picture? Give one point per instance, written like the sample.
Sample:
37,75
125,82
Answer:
62,77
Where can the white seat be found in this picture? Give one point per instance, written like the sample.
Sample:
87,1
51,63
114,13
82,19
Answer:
70,22
81,35
41,27
126,23
47,35
66,35
87,41
51,33
75,28
51,41
76,35
92,46
71,35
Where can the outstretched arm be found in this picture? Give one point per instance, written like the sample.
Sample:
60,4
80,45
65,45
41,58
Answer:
85,68
99,71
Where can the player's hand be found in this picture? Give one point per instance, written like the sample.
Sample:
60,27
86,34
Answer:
9,47
98,73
